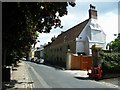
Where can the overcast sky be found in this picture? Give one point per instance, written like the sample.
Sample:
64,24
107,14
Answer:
107,18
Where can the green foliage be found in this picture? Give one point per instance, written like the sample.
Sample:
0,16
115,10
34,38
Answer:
115,45
22,20
111,62
42,16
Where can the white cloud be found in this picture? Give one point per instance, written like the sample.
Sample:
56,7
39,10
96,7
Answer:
109,24
69,21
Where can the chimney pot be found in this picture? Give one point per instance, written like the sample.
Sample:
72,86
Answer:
92,12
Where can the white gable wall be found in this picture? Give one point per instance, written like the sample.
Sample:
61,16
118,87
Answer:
90,35
97,33
98,37
81,44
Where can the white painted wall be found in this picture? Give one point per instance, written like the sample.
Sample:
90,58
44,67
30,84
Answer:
81,40
90,35
97,34
80,46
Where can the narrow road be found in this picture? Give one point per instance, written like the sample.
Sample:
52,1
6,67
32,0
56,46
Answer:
48,77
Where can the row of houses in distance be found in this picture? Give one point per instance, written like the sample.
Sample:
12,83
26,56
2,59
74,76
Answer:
77,40
36,53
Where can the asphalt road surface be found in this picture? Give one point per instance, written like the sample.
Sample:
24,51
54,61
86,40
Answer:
48,77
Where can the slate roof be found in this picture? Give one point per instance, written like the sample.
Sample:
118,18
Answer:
70,34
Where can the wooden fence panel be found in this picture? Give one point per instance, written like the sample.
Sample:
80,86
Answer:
75,62
81,62
86,62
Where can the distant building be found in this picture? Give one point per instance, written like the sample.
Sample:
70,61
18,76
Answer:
78,40
32,53
39,53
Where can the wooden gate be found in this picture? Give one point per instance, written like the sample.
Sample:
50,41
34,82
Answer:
81,62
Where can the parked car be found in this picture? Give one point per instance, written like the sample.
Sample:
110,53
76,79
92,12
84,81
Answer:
29,58
32,60
41,61
23,58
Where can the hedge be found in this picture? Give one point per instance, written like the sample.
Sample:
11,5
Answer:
111,62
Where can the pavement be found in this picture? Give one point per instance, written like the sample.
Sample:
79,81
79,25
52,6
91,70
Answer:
19,78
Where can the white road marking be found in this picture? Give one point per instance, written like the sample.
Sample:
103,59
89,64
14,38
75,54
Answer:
32,85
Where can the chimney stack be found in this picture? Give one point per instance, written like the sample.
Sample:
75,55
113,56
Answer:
92,12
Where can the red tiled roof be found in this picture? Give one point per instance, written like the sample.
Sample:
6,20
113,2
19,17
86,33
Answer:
70,34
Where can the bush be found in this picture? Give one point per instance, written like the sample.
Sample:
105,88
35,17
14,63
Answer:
111,62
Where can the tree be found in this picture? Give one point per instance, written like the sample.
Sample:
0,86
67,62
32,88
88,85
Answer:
22,20
115,45
53,38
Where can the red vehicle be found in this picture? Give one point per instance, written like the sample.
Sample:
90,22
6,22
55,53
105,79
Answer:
94,72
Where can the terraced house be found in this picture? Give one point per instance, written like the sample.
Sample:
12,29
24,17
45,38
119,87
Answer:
77,40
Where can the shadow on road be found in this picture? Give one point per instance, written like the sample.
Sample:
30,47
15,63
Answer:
8,85
12,83
54,66
109,76
83,78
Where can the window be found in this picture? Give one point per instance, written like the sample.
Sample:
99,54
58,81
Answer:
54,50
68,46
57,50
51,50
60,48
80,37
60,58
57,58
